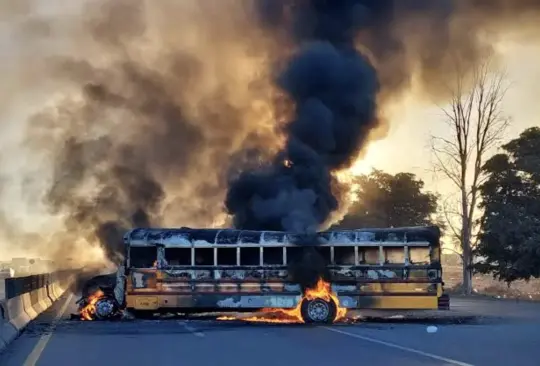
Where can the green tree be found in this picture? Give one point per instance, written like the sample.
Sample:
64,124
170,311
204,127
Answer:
387,200
509,241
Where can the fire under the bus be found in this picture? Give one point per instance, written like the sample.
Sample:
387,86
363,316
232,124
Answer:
190,270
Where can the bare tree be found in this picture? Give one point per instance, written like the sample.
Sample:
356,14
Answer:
476,124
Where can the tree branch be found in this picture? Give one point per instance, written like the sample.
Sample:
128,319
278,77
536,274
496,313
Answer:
477,125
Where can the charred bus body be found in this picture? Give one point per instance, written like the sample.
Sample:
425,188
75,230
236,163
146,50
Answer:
190,270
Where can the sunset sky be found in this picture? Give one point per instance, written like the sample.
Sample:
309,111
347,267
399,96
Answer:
406,148
27,89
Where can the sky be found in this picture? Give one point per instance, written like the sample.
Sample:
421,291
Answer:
404,149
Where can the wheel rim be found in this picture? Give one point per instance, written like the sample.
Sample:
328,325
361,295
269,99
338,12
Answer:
104,308
318,310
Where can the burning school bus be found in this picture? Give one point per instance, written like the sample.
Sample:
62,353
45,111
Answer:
199,270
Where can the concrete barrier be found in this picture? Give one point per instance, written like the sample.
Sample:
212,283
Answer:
15,312
27,305
39,300
26,298
15,318
44,298
54,291
50,290
60,287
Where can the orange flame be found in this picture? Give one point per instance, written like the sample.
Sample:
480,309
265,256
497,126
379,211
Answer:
322,290
88,312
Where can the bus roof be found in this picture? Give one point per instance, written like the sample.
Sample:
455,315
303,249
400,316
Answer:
187,237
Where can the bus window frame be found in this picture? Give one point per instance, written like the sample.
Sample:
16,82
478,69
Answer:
359,254
160,253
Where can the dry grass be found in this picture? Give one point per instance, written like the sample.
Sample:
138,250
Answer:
487,285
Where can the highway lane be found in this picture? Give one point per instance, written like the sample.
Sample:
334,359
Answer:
503,338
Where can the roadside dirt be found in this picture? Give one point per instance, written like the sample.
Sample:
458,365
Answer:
488,286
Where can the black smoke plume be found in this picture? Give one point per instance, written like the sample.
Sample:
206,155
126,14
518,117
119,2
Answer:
411,40
334,90
334,87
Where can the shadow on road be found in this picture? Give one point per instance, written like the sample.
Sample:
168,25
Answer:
176,324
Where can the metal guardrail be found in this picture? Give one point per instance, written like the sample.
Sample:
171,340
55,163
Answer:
16,286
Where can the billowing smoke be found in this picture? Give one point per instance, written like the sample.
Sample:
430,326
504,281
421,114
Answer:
334,89
421,43
155,108
143,112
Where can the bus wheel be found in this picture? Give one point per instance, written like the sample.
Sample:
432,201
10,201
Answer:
318,311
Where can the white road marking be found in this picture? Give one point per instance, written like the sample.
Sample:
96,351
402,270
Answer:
192,330
402,348
33,357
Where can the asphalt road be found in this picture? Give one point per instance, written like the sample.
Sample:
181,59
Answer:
508,335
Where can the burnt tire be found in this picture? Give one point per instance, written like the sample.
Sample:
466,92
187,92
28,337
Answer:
105,308
318,311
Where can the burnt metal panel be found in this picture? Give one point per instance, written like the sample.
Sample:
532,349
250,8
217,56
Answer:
207,235
232,236
280,273
274,237
249,236
227,237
